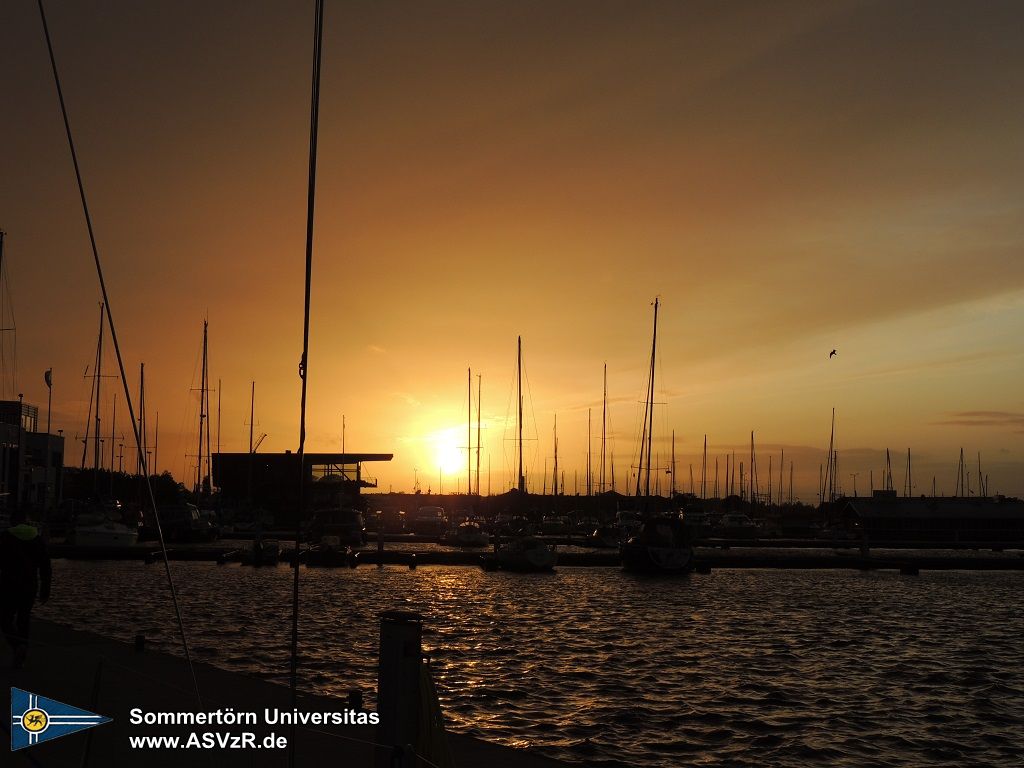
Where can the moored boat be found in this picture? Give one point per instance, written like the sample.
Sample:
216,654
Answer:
467,534
105,525
661,546
427,521
524,554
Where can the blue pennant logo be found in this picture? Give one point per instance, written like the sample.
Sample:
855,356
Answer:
35,719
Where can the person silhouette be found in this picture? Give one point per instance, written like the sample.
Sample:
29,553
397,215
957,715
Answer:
24,573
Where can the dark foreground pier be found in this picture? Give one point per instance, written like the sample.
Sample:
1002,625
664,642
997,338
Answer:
112,678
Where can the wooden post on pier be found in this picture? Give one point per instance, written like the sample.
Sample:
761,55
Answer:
398,688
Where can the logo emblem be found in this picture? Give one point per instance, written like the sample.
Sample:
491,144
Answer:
35,719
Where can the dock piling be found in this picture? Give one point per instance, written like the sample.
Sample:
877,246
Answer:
398,688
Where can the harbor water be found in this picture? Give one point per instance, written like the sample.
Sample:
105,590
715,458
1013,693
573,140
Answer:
601,668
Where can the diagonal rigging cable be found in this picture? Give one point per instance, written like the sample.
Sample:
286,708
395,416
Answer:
117,350
314,121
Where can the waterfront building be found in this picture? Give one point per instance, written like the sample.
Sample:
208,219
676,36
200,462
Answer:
887,517
31,462
269,481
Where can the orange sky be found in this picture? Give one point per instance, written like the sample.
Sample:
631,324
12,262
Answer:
788,177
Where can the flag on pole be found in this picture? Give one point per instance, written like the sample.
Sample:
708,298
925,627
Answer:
48,377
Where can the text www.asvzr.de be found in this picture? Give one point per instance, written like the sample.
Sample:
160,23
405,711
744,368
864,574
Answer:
211,740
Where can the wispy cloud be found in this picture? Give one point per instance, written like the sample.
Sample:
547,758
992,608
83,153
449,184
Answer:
407,398
1006,419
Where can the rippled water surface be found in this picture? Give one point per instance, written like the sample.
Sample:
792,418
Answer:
597,667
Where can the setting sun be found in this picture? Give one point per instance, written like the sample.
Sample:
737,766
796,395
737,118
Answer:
448,455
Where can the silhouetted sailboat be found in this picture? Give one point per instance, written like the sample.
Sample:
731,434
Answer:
522,553
662,545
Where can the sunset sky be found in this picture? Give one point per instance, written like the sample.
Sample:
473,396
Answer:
788,178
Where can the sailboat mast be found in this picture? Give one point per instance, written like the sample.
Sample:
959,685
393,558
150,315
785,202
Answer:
519,419
782,463
910,486
99,365
479,387
672,484
650,402
828,472
469,431
554,478
604,429
113,422
703,469
982,491
588,453
202,417
142,416
209,418
753,479
252,412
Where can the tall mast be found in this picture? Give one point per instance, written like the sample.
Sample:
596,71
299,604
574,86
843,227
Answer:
99,364
519,420
910,485
829,468
703,468
252,412
469,431
554,479
588,452
982,491
479,386
113,422
156,445
753,478
732,480
650,402
142,416
782,463
209,419
672,483
202,417
604,429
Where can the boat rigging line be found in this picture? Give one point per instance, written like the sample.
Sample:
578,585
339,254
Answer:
314,120
117,348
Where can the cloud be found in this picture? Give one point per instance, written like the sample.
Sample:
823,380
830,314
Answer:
407,398
376,350
1005,419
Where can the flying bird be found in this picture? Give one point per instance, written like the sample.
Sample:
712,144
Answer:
832,354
